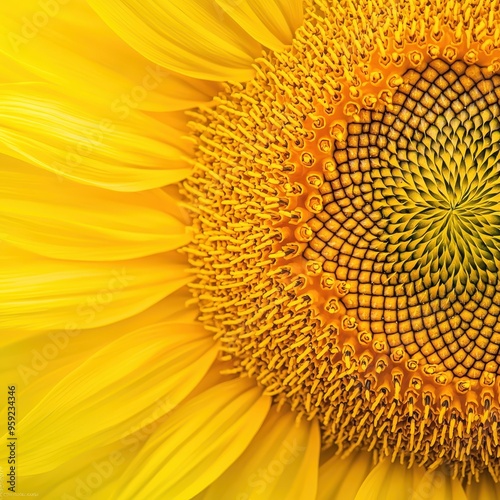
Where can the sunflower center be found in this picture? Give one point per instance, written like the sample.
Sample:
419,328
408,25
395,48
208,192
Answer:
346,224
411,219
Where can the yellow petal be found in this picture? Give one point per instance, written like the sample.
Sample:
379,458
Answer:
36,361
485,489
36,366
12,71
96,471
439,485
270,22
92,474
60,134
203,437
281,462
192,37
129,383
37,293
40,214
390,481
56,40
342,477
214,376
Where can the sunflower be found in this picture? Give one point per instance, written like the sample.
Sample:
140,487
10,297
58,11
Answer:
250,249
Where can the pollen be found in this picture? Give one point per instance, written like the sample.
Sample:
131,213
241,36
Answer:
346,228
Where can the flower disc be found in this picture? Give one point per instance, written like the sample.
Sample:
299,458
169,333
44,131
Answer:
411,219
346,225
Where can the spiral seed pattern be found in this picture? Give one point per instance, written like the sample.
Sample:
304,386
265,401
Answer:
411,218
345,247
